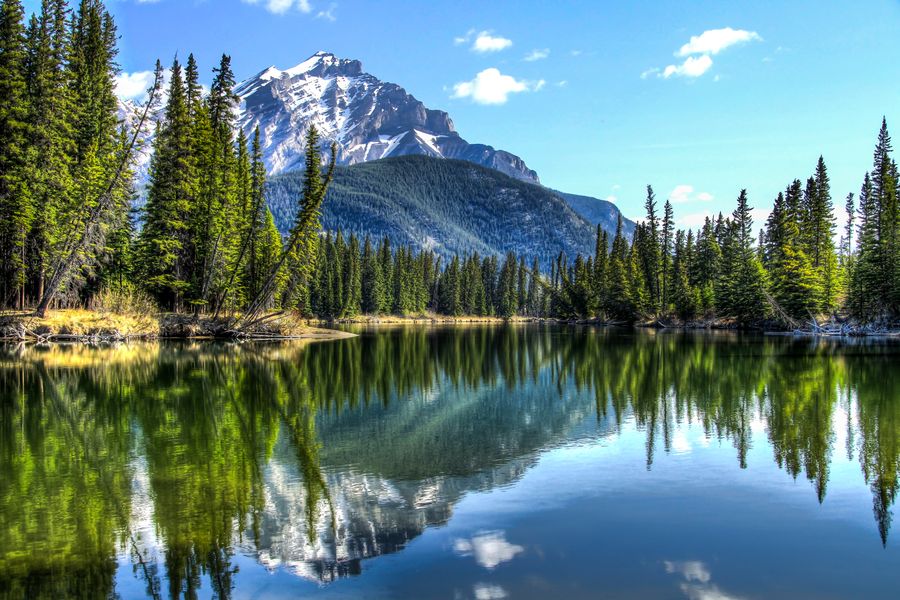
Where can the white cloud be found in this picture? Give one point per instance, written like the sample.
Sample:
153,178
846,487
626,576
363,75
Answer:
536,54
484,591
489,548
133,86
697,584
681,193
492,87
464,39
280,7
612,198
685,193
485,42
562,83
693,66
691,570
328,14
713,41
698,52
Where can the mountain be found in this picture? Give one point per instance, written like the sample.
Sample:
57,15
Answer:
482,200
449,206
368,118
598,212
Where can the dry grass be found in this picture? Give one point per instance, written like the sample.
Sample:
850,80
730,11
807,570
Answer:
87,322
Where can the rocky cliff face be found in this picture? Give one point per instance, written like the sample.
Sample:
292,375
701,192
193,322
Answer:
368,118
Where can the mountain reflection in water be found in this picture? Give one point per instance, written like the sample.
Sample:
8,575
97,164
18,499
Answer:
176,459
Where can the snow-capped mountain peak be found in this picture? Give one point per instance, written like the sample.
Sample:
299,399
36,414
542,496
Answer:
368,118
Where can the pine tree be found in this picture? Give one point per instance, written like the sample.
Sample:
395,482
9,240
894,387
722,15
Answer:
864,299
386,264
173,190
821,233
534,290
617,303
372,281
650,253
16,208
795,283
600,283
884,194
50,139
746,286
706,264
666,239
352,278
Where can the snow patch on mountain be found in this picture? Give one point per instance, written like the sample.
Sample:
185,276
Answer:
367,118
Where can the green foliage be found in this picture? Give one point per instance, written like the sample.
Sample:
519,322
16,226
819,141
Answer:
449,206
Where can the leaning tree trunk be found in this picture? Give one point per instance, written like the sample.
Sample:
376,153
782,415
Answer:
78,243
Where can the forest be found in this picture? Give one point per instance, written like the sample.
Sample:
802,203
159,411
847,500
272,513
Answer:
206,242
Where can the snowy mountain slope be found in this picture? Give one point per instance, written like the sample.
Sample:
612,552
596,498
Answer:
368,118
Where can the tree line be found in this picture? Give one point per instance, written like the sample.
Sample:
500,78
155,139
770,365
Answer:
792,271
67,229
353,278
206,241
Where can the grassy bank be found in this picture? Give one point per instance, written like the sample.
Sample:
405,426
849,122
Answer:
94,326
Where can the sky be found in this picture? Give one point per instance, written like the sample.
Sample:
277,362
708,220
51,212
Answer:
697,98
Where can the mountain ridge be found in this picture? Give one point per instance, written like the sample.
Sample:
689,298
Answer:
445,205
368,118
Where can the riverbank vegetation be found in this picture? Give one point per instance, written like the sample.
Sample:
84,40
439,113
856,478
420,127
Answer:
204,242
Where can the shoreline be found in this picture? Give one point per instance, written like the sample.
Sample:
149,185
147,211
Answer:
91,327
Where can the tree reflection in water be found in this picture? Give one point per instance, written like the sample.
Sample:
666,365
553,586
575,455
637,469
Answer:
316,456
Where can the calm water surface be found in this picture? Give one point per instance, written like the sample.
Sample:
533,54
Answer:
485,463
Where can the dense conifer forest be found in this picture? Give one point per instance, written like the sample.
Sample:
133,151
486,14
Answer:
206,241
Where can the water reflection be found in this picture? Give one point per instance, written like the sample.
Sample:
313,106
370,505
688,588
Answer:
178,459
696,581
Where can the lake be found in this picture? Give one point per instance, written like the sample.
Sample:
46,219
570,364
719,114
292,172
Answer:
480,462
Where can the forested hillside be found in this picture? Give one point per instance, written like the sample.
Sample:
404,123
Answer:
448,206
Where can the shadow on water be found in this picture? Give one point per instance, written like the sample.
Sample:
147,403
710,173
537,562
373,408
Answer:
312,457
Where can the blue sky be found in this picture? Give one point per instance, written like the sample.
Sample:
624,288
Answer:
753,93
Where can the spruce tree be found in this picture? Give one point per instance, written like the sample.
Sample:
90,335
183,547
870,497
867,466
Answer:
169,201
746,285
16,208
371,280
666,239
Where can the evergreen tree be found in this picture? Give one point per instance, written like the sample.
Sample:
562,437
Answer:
16,208
650,253
50,136
865,299
372,281
617,303
173,190
386,263
666,239
744,290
